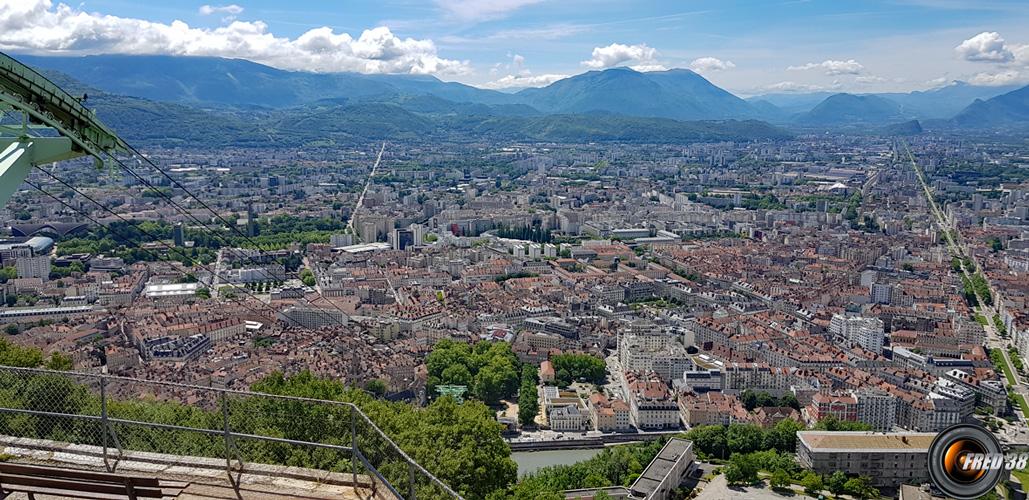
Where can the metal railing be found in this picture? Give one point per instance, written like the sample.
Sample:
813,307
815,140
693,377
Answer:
120,414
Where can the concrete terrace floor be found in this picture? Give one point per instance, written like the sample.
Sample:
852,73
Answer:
207,477
197,491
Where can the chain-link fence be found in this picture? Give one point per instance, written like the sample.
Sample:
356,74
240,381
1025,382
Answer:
122,414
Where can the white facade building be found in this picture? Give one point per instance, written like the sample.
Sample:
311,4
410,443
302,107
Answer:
33,267
866,332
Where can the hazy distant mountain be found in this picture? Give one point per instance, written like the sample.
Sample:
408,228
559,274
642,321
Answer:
695,91
434,105
910,127
237,82
678,94
769,110
1006,109
170,124
847,109
944,102
792,104
343,121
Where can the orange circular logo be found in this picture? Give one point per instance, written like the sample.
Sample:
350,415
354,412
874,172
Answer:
963,461
954,460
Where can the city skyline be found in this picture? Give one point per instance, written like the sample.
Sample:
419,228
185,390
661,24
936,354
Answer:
788,46
339,270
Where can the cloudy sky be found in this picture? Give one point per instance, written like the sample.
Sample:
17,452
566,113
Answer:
747,47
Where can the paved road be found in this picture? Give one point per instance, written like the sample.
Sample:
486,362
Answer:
216,279
718,489
953,237
616,378
367,184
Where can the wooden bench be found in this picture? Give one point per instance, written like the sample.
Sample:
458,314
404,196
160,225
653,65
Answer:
68,483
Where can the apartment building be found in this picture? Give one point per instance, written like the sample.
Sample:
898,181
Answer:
989,392
889,459
711,408
865,332
312,317
609,415
651,404
656,352
33,267
565,411
876,408
823,405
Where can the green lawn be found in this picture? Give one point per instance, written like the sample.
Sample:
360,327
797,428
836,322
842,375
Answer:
1022,475
1008,374
1022,404
998,359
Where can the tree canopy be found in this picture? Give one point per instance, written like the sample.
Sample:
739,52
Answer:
570,368
490,370
614,466
831,423
721,441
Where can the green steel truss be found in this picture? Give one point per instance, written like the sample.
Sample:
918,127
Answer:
40,123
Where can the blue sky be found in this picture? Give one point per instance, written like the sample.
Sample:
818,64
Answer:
747,47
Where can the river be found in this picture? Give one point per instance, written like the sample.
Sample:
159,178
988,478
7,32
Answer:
531,461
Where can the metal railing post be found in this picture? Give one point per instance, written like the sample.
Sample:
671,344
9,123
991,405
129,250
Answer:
111,439
226,434
353,443
103,420
410,474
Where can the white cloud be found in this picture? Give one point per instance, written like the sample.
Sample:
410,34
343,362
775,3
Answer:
644,68
518,75
996,79
708,64
942,81
987,46
832,67
789,86
870,79
618,54
37,26
510,81
481,10
231,9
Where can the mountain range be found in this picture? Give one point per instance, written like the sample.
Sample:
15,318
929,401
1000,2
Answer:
230,86
853,109
1003,110
418,117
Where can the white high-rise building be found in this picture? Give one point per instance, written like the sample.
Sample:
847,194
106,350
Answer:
341,240
866,332
312,317
33,267
880,293
419,234
877,408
